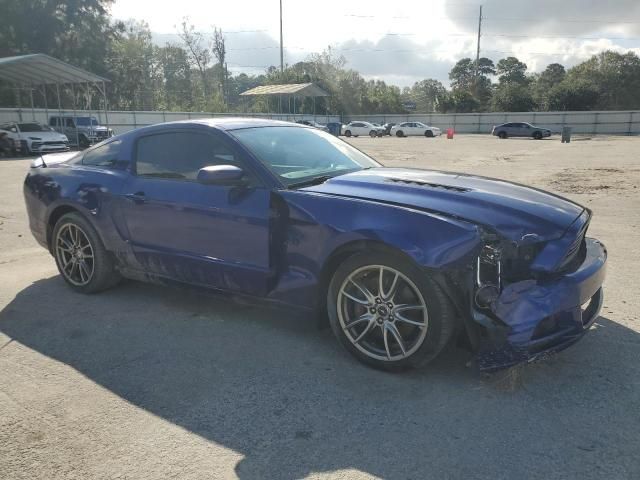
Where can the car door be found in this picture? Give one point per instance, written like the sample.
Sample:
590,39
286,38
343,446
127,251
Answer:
520,130
212,235
69,129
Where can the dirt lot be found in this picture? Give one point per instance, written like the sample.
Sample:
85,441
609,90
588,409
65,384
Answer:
146,382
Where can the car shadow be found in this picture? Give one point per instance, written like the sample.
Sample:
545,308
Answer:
269,385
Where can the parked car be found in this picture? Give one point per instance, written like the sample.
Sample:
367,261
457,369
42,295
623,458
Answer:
408,129
314,124
379,128
400,260
82,131
387,128
33,138
520,129
358,128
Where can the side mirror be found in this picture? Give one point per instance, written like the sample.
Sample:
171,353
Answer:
220,175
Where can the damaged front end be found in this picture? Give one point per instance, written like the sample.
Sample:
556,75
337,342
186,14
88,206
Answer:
535,298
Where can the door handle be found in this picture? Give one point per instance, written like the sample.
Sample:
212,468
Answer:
137,197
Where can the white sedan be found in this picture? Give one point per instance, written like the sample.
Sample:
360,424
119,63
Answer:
361,128
407,129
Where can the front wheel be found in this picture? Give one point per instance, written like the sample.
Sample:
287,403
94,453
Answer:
84,142
347,133
81,258
399,133
373,134
502,135
428,134
537,135
387,312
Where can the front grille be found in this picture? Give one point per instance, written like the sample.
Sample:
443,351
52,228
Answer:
102,134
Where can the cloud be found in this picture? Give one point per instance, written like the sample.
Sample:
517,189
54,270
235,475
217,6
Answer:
396,59
548,17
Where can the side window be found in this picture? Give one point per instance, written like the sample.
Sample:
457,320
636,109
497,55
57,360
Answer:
181,154
52,121
69,122
104,155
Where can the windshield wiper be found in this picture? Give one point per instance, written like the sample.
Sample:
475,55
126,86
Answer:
312,181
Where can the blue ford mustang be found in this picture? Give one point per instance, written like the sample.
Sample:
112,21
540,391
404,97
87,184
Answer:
399,260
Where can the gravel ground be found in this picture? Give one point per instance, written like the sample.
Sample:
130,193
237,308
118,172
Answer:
146,382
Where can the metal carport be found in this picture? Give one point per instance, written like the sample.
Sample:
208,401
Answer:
38,71
291,90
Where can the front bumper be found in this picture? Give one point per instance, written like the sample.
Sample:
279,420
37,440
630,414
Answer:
531,320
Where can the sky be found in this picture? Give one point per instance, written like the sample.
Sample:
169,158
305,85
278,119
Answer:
400,41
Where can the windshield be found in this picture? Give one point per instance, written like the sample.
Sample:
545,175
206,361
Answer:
33,127
296,155
85,121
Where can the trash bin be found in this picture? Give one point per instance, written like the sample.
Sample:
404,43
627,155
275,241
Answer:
566,135
450,133
334,128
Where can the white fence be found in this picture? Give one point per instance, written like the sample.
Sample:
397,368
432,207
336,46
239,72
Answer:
593,123
123,121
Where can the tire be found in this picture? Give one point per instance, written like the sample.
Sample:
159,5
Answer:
399,133
347,133
99,272
537,135
428,134
421,344
373,134
502,135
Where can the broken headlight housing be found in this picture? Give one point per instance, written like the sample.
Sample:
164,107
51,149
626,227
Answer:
488,275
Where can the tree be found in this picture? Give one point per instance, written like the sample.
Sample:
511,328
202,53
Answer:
220,52
616,77
199,53
573,95
132,69
545,81
512,97
427,94
459,101
512,70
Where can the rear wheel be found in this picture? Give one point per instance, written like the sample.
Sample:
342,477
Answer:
387,313
502,135
399,133
347,133
428,134
81,258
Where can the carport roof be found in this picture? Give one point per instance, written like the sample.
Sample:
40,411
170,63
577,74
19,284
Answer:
297,89
41,69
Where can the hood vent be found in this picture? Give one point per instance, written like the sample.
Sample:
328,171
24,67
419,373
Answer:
440,186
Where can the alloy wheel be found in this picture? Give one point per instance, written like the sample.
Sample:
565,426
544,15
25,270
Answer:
74,254
382,313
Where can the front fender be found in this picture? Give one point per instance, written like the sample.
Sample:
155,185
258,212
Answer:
317,225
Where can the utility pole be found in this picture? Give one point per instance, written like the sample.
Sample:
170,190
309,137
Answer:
281,47
478,47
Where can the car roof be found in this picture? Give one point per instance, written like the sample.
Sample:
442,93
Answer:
226,124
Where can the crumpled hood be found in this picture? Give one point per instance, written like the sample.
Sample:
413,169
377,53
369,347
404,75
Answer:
519,213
